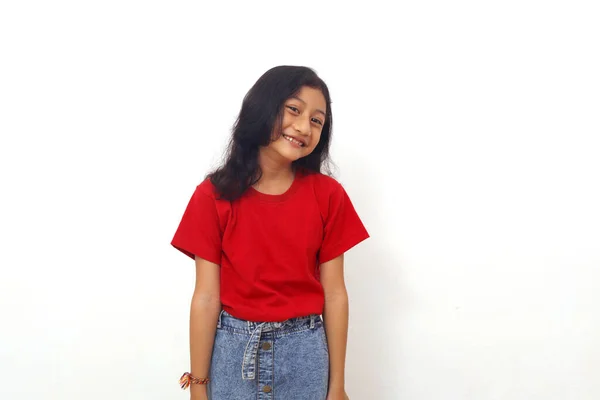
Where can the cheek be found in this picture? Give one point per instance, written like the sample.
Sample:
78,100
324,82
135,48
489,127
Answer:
279,125
316,138
277,129
286,119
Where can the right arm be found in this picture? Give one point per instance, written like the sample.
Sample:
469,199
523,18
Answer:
204,313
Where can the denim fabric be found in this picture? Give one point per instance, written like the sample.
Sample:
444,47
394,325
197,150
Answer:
285,360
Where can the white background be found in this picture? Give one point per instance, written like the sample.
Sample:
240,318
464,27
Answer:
466,133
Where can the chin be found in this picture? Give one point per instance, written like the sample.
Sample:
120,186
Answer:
292,157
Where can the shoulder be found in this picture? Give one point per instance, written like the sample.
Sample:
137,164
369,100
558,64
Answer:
324,184
328,192
206,188
206,195
206,201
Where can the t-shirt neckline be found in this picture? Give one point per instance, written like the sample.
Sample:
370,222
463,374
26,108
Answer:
276,198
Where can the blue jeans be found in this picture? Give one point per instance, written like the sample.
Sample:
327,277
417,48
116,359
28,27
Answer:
286,360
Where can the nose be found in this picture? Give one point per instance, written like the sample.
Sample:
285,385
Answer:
302,125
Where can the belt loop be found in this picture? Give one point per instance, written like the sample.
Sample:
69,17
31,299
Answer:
219,320
312,322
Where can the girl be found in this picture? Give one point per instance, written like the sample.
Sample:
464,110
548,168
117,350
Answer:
268,231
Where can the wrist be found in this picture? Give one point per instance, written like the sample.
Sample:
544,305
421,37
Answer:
198,392
187,380
336,385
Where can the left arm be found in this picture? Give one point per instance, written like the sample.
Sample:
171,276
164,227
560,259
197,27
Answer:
335,316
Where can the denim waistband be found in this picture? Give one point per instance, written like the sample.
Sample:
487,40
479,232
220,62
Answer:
256,329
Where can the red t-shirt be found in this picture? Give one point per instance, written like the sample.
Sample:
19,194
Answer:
269,247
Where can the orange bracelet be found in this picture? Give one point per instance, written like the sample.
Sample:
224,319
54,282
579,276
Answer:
187,379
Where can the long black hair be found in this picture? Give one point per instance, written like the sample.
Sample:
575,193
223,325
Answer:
261,110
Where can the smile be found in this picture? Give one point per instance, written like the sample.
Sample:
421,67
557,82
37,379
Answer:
293,141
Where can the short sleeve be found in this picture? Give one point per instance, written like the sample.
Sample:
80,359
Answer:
198,233
343,227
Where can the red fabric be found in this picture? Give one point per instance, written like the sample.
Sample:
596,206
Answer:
269,247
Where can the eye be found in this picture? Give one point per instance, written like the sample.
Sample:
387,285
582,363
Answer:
294,109
317,121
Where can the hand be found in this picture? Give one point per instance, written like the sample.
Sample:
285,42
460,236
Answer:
337,394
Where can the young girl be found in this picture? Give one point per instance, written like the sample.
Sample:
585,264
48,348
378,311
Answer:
268,232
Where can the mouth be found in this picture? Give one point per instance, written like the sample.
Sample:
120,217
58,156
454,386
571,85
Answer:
296,141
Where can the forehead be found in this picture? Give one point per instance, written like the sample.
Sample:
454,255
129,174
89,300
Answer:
312,97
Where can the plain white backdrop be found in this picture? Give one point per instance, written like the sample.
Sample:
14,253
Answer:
465,132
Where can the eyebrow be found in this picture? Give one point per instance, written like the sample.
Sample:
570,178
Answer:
299,99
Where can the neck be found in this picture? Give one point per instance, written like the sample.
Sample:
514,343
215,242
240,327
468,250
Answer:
274,169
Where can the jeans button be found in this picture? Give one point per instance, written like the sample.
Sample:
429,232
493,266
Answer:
266,346
267,389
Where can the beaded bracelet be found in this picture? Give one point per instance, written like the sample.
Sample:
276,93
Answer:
187,379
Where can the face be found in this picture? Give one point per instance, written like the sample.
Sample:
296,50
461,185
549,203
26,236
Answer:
302,122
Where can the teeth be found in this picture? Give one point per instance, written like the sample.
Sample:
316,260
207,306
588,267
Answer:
294,140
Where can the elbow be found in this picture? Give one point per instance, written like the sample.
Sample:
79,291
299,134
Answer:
336,296
206,300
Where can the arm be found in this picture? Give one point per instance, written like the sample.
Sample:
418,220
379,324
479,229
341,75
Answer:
335,316
204,313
